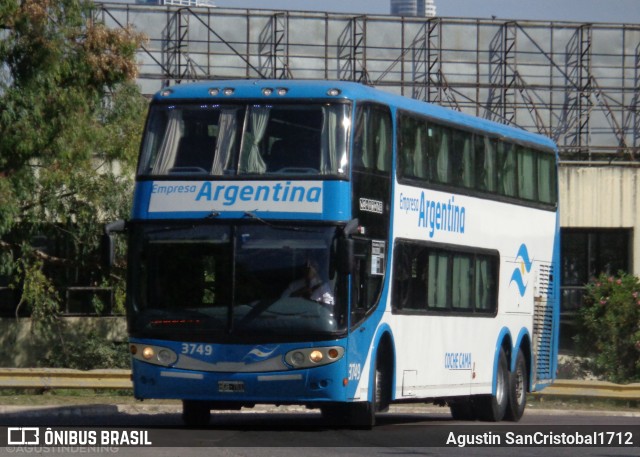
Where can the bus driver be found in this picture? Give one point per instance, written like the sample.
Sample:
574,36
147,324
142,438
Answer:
311,286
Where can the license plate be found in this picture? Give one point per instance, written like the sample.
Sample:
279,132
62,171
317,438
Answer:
230,386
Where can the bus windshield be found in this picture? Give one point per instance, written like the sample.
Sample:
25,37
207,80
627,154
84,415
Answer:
253,139
246,282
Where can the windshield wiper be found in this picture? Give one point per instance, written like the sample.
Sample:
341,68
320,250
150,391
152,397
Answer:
293,228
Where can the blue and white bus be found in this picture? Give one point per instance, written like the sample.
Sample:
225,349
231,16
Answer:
327,244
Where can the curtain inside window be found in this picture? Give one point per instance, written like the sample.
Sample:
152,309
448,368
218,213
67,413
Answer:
546,183
482,289
169,147
467,162
419,169
226,139
384,137
488,182
461,282
361,140
443,157
437,281
329,146
526,174
250,159
508,172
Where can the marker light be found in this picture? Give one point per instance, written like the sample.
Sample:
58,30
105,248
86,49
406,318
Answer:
228,91
333,353
282,91
148,353
214,91
267,91
133,349
166,92
334,92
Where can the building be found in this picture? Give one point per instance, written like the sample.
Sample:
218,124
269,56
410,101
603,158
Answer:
420,8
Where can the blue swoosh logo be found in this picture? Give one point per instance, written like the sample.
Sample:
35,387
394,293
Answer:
516,276
523,254
259,353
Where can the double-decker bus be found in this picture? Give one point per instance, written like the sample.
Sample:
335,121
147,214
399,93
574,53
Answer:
327,244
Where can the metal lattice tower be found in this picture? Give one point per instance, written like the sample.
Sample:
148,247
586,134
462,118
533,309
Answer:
578,83
273,48
578,101
501,101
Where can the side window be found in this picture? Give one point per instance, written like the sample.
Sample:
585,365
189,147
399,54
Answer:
438,280
461,159
485,163
506,169
373,137
527,173
547,179
428,279
367,276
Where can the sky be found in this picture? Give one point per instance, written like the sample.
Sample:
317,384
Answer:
616,11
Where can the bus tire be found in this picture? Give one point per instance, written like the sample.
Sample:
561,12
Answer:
362,415
492,408
195,413
517,389
382,384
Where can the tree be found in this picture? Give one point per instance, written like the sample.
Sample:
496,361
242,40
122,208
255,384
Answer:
609,327
70,121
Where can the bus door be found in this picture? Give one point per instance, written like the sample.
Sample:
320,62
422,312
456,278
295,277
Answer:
371,187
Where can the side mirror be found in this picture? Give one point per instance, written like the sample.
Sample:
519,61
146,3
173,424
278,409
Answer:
346,256
346,248
107,244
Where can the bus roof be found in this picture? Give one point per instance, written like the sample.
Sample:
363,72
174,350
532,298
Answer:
308,89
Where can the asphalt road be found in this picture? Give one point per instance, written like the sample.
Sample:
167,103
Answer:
286,432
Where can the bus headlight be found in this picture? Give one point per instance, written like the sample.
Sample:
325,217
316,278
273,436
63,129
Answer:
156,355
313,357
148,353
166,357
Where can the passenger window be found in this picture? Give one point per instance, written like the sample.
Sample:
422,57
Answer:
437,280
372,143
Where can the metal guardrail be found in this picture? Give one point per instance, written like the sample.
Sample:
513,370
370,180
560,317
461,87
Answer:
62,378
591,389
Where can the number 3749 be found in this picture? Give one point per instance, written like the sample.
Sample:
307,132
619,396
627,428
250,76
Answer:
199,349
355,370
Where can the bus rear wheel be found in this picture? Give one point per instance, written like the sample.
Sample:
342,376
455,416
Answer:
517,389
492,408
195,413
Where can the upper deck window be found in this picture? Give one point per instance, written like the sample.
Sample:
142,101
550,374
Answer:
205,139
